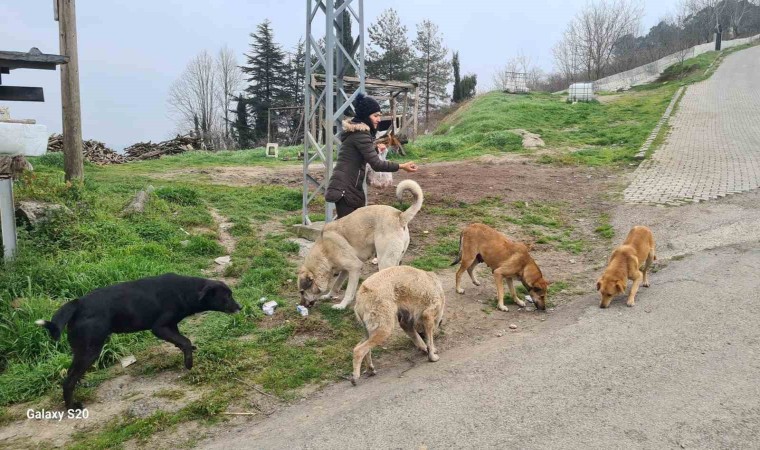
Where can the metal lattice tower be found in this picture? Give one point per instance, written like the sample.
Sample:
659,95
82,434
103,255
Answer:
325,103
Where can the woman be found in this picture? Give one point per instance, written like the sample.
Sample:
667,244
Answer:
356,151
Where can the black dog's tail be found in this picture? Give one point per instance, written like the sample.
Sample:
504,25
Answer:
459,255
60,319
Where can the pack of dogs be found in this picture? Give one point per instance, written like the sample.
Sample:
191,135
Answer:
396,294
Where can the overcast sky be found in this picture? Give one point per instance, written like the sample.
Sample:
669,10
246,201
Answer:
130,51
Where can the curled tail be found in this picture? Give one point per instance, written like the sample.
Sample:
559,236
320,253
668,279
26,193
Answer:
459,255
416,190
59,320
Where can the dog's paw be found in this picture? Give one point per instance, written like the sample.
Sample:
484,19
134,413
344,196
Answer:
645,284
339,306
353,380
503,308
76,406
433,357
189,362
520,303
629,303
371,372
476,282
460,291
329,296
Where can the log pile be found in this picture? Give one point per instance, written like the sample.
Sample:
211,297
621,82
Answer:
149,150
95,152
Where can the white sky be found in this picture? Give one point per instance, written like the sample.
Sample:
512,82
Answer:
130,51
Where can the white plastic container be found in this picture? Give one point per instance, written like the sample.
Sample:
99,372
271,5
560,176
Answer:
581,92
23,139
269,307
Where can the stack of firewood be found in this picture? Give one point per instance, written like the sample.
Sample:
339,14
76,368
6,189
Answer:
95,152
149,150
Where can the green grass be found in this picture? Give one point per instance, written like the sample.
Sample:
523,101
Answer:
581,133
605,229
96,245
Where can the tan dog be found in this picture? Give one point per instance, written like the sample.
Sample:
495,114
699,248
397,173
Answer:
412,297
624,265
507,259
347,243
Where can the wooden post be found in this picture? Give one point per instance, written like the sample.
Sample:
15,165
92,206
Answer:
393,114
405,114
269,125
416,111
72,113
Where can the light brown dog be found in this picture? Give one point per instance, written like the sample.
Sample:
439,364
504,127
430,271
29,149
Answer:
345,244
412,297
624,265
506,258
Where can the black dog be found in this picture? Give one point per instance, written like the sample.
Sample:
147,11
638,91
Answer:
157,304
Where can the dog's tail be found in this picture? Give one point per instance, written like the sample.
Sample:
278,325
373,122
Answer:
459,255
59,320
416,190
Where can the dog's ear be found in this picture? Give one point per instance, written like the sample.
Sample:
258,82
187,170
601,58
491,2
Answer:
529,246
598,285
207,291
305,282
620,285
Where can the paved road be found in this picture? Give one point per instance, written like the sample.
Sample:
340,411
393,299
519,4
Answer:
714,146
679,370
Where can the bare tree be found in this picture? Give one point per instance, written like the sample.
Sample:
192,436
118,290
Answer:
714,9
194,96
229,84
589,41
735,11
505,79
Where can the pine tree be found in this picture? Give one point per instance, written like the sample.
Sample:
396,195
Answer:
295,77
432,68
457,94
265,72
241,126
389,56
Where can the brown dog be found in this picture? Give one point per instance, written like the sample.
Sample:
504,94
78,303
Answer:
412,297
624,265
507,259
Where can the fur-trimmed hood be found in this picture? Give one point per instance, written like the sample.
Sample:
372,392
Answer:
351,127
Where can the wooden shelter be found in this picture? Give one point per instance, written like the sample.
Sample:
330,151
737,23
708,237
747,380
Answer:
401,98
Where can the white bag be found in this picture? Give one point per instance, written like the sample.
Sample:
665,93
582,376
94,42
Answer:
380,180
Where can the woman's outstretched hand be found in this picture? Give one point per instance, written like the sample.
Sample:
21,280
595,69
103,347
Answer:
408,166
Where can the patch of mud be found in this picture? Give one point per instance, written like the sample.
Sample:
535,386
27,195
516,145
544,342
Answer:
290,176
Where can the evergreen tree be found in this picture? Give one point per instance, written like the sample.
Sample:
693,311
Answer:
295,77
346,40
468,86
389,56
241,126
265,72
457,94
432,68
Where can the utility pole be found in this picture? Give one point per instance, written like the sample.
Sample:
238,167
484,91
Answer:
65,14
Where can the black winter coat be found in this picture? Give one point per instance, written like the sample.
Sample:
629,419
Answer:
356,151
